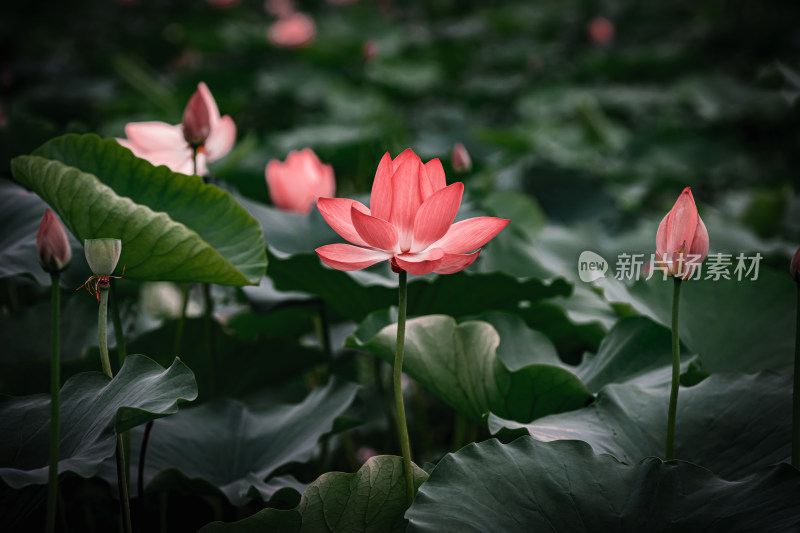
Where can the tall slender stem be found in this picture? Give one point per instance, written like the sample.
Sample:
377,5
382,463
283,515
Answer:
122,353
140,474
102,330
676,370
55,384
402,428
117,321
796,392
122,478
122,482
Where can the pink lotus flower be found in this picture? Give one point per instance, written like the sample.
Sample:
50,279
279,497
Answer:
52,243
296,184
165,144
794,266
461,159
292,31
600,30
409,222
682,238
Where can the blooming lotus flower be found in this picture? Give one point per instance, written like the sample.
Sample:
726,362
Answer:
296,184
794,266
409,222
292,31
173,146
461,159
52,243
682,238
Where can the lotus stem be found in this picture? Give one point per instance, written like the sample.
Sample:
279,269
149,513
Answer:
122,478
122,353
796,391
55,383
676,370
402,427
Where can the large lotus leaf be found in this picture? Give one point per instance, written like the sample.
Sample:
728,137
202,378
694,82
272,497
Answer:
370,500
459,363
21,212
460,294
93,410
735,326
750,414
636,350
172,226
226,445
564,486
291,233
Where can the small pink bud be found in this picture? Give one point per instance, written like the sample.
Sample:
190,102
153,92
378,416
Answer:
370,50
461,161
682,238
196,120
600,30
55,252
794,267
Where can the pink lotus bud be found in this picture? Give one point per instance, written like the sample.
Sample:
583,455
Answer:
196,120
600,30
297,184
370,50
55,252
682,238
794,267
461,161
292,31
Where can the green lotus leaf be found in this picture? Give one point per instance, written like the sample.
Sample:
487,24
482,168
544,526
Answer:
172,226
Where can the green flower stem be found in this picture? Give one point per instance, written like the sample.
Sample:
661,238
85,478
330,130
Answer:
55,383
182,320
102,330
122,478
140,474
117,321
796,392
122,482
402,428
676,370
122,353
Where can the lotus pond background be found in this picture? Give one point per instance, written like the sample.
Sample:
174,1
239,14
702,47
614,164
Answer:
583,145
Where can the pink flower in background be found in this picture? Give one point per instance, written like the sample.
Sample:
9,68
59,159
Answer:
55,253
600,30
409,222
222,4
165,144
279,8
370,49
296,184
292,31
461,159
794,266
682,238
